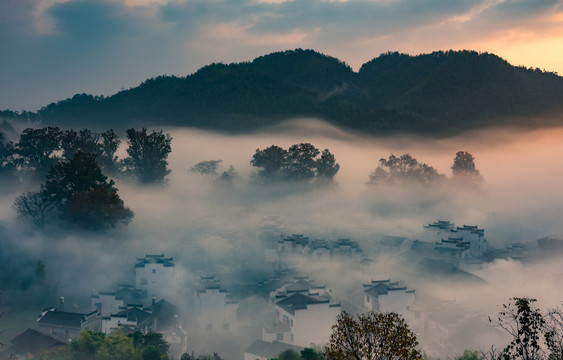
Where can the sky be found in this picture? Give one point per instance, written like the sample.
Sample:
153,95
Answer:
53,49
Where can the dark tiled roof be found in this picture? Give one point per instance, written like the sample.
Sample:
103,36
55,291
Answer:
155,259
298,302
34,341
299,286
135,314
165,315
62,318
379,289
270,350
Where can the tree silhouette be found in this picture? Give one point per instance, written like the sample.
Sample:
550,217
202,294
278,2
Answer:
36,148
299,163
404,169
270,160
464,168
148,154
526,325
79,193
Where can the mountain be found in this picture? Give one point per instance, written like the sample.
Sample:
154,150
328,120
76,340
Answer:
437,93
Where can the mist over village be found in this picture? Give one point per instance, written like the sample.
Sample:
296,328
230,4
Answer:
277,179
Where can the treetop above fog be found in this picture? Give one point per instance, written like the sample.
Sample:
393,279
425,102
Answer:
299,163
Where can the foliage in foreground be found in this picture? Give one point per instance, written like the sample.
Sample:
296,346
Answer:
529,329
93,345
372,335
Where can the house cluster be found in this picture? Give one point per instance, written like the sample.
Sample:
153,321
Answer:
461,242
297,247
129,308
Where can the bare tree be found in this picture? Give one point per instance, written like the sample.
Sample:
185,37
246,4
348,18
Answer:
34,206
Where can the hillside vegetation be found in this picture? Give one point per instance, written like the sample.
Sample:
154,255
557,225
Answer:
441,92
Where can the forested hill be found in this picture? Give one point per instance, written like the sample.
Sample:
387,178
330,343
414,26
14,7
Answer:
431,93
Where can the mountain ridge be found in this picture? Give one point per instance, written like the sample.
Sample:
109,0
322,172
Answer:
441,92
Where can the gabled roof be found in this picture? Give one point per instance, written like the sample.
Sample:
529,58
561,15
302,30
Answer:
135,314
270,350
375,291
298,286
34,341
297,239
299,302
128,294
62,318
383,287
165,315
155,259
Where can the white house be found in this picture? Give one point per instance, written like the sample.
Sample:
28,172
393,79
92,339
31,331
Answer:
475,237
437,230
216,309
154,275
302,320
130,319
111,302
106,303
387,296
67,326
453,247
299,285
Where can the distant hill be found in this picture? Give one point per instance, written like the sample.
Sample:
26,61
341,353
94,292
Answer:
437,93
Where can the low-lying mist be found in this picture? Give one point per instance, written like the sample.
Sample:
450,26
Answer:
211,226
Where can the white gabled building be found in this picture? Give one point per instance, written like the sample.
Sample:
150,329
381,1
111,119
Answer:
299,285
437,230
154,275
130,319
111,302
387,296
216,308
302,320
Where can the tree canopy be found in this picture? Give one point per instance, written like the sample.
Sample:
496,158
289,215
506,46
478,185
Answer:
299,163
80,193
137,346
208,167
372,335
36,148
464,168
404,169
148,154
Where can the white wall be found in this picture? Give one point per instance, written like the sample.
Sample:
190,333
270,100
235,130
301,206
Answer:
108,304
214,311
156,279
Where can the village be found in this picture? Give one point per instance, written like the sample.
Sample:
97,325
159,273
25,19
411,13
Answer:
285,309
